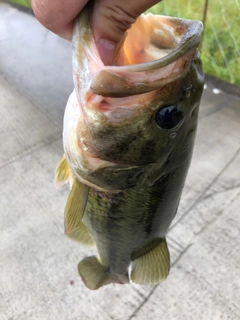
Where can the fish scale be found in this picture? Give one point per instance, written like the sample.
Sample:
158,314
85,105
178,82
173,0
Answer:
128,138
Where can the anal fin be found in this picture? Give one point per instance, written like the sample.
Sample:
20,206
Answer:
153,266
74,210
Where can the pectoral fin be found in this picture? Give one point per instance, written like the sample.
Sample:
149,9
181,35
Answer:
74,210
153,266
62,172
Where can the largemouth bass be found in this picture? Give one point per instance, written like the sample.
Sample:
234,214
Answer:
128,138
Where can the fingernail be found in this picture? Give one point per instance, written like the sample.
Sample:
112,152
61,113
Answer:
106,50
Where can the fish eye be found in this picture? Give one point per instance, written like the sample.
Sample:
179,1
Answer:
169,116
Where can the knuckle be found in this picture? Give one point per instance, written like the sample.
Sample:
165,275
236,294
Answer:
121,19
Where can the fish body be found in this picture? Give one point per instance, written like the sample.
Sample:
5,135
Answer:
128,138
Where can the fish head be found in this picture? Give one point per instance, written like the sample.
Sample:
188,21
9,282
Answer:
132,122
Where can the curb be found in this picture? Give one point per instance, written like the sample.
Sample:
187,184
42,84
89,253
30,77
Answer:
222,85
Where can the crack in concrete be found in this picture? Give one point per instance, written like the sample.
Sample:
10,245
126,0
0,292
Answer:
156,286
201,197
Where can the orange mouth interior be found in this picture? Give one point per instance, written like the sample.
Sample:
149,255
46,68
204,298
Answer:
149,39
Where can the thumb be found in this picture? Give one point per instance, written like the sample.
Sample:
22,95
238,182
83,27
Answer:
110,21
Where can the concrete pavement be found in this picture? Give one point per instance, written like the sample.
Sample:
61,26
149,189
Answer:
38,274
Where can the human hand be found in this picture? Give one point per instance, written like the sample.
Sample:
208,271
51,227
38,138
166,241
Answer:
110,19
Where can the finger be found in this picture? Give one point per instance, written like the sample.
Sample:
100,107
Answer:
110,21
58,15
112,18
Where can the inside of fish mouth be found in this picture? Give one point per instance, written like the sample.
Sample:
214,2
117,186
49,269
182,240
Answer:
146,44
153,37
104,103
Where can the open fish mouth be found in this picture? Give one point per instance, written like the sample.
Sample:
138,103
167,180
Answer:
150,56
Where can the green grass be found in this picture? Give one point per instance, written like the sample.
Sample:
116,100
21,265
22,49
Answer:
221,42
24,3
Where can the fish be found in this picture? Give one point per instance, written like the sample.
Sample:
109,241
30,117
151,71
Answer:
128,138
